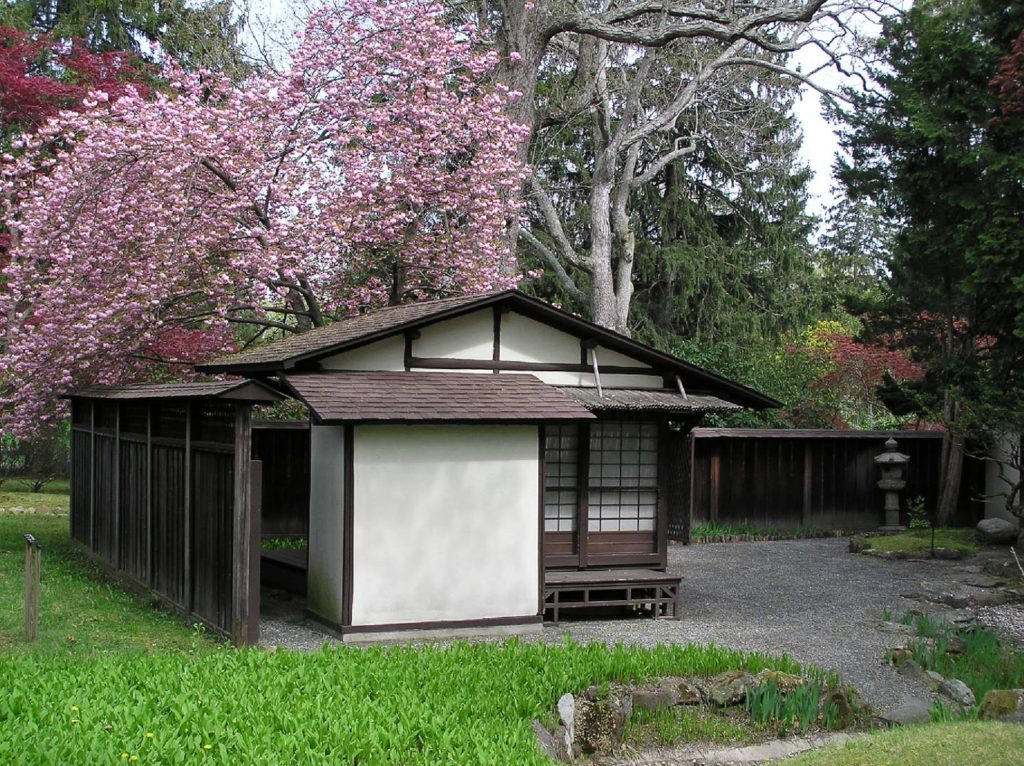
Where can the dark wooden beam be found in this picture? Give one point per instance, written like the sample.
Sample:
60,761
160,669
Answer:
347,532
149,494
541,436
187,512
245,624
496,351
439,363
116,470
582,493
92,476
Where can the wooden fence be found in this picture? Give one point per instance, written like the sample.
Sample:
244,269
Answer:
805,478
160,493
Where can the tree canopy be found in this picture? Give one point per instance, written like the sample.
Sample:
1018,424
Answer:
380,165
940,149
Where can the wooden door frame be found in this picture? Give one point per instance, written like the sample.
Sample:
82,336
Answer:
658,558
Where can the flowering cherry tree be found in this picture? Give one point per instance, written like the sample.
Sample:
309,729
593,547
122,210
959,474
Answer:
377,167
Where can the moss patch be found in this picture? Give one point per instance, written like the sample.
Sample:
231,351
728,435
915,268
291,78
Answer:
920,540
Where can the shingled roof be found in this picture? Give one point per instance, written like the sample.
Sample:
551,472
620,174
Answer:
431,397
236,390
372,324
646,400
302,350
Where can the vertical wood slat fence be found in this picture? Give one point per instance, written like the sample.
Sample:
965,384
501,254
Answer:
161,494
811,478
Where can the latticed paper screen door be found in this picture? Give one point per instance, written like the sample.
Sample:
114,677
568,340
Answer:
561,494
622,489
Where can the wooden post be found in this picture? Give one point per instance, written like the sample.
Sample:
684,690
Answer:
118,561
33,566
187,512
243,624
149,494
716,478
805,516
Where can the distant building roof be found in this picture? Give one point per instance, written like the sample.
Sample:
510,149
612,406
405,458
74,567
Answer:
235,390
431,397
646,400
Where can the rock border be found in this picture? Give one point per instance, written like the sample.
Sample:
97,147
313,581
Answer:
703,540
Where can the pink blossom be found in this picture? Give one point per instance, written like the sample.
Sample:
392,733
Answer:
156,226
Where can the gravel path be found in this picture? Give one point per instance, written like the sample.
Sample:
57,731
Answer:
810,599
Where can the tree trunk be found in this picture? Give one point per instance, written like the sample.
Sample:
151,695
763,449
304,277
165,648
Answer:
952,470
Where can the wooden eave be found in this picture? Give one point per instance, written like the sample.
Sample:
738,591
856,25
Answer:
250,391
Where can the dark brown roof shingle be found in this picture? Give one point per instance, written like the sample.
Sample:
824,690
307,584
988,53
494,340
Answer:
241,390
646,400
449,397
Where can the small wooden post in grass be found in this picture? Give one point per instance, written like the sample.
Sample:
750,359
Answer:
33,556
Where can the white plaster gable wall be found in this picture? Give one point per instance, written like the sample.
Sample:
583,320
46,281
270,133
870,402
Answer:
445,523
326,518
527,340
471,336
466,337
387,354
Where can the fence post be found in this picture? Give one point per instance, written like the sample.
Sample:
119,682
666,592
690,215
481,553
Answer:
805,514
33,555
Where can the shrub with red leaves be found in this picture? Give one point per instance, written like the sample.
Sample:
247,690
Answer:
40,76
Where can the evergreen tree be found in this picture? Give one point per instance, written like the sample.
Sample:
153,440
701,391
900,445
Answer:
931,151
197,34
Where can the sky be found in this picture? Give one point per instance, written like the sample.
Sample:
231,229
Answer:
820,144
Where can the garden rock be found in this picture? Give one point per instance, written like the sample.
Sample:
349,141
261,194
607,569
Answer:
1003,705
729,688
689,693
841,698
654,698
996,532
957,691
599,725
955,645
896,627
899,655
912,670
553,745
784,682
935,680
912,711
567,719
858,544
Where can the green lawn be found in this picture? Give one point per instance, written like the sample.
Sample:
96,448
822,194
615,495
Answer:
16,493
943,744
962,540
81,611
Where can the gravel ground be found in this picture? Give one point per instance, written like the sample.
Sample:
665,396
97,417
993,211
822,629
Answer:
810,599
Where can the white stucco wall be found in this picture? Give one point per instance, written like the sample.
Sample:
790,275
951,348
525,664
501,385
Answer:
472,337
326,500
527,340
466,337
387,354
445,523
996,506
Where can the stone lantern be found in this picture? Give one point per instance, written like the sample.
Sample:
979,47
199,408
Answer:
892,464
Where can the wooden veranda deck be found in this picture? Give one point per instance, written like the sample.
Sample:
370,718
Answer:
648,589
